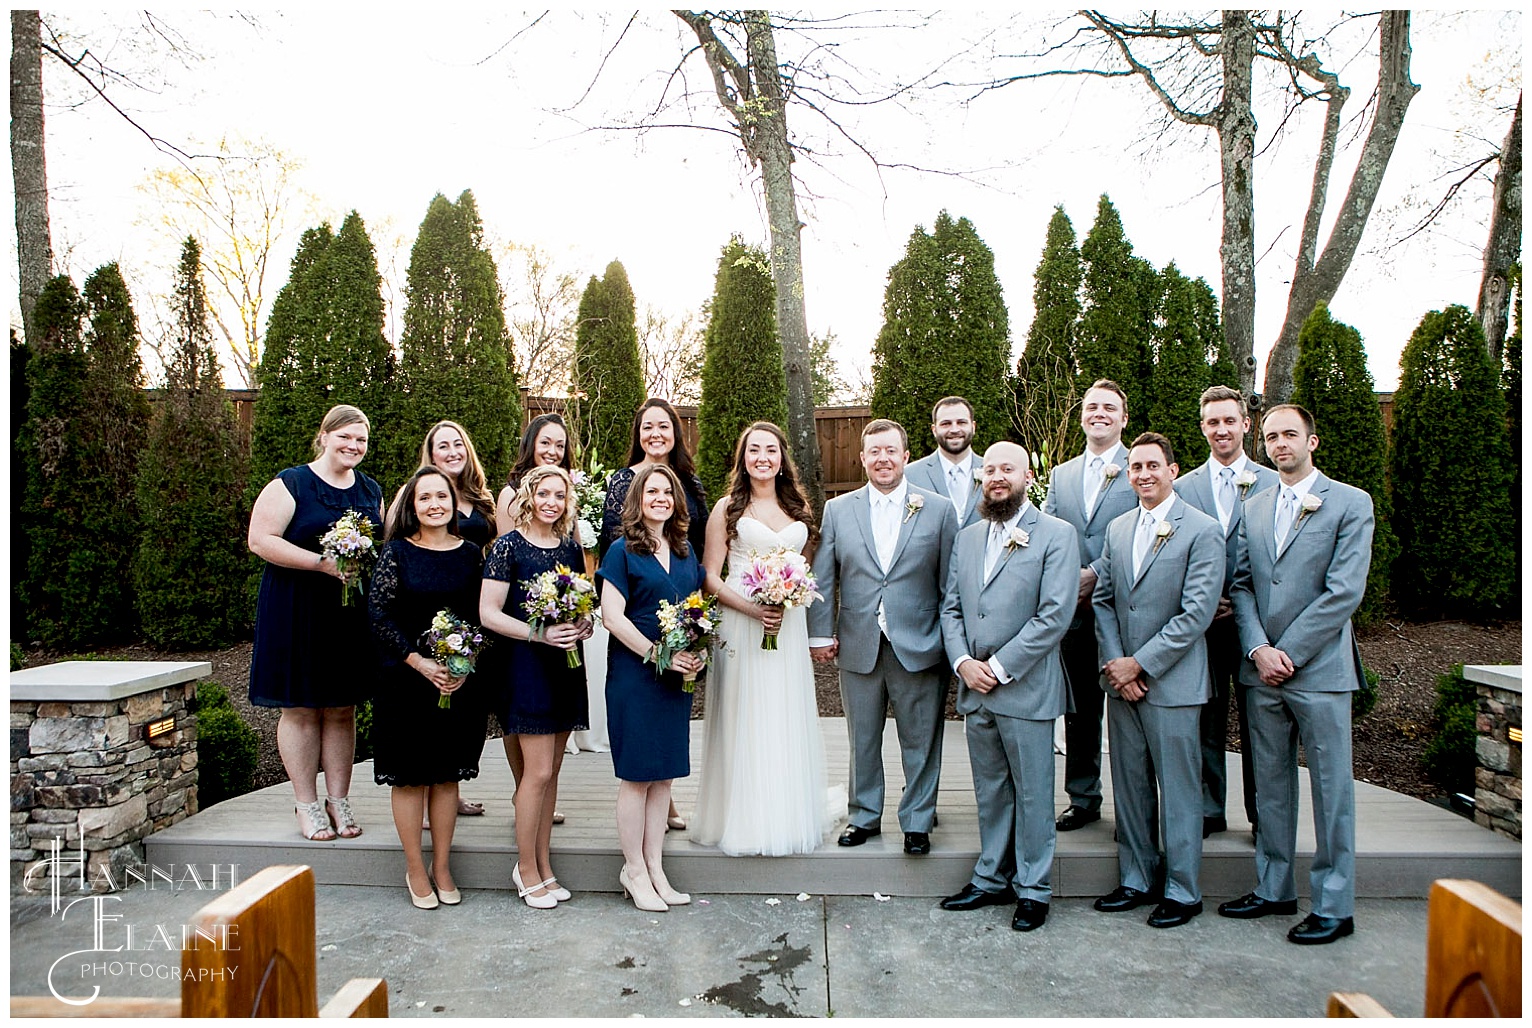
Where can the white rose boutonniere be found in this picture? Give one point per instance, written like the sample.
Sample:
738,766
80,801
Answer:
1110,472
912,506
1243,481
1162,531
1306,506
1018,538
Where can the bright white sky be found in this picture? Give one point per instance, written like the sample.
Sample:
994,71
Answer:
386,108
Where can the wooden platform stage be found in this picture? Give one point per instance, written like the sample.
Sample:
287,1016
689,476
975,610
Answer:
1403,843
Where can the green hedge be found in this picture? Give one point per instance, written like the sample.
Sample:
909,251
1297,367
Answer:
1450,755
226,747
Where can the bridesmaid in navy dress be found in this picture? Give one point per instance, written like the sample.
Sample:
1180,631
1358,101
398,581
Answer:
648,713
538,697
312,655
422,749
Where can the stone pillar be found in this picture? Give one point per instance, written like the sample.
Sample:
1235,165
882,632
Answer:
83,769
1497,779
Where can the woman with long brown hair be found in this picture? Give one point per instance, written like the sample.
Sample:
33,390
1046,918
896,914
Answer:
763,763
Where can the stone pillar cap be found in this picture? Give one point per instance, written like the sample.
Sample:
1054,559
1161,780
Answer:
86,681
1501,676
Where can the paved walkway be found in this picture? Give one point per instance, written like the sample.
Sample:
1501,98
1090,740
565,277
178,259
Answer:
732,955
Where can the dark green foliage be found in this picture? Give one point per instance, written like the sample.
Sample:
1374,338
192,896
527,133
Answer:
1121,294
51,443
324,345
210,694
1510,380
18,656
1046,393
455,352
825,370
21,465
363,731
1452,472
1365,698
1181,370
743,379
1450,757
945,332
608,372
1331,381
1221,370
226,755
190,567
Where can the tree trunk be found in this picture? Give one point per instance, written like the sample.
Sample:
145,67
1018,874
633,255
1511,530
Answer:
775,153
1236,147
34,246
1504,246
1318,284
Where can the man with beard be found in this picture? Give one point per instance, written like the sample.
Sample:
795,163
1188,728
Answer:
1009,598
952,469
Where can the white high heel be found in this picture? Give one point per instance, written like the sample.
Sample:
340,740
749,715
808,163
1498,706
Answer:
666,892
543,902
557,891
427,902
642,891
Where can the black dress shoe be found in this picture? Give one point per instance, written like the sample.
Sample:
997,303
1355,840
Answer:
1124,898
1171,914
1030,915
855,835
1213,825
1251,906
1316,931
1076,817
972,898
917,843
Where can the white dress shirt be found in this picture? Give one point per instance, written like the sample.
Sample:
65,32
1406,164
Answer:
1158,514
1294,495
998,535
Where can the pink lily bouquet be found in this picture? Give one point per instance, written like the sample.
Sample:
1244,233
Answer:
349,542
686,627
779,578
559,597
455,644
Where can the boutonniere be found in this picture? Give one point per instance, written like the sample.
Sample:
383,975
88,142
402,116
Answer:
978,476
912,506
1018,537
1162,531
1243,481
1110,472
1306,506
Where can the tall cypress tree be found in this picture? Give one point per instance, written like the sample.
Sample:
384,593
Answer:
1510,380
1180,369
608,371
945,332
455,351
1451,469
1121,293
21,470
324,345
743,378
1221,370
1332,382
51,441
190,567
1045,376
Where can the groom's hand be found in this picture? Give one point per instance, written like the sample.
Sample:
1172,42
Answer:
1087,585
977,675
1122,670
825,654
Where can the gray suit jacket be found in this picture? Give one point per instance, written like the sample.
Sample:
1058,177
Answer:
911,591
1302,601
930,472
1066,500
1161,618
1018,616
1196,488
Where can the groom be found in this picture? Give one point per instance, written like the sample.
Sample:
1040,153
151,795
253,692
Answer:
887,547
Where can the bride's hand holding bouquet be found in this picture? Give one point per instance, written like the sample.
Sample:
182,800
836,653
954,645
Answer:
777,580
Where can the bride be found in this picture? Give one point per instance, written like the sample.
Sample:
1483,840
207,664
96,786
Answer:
763,788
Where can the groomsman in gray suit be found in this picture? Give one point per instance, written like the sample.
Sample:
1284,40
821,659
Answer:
952,469
1088,492
1010,595
1219,489
887,547
1304,550
1160,577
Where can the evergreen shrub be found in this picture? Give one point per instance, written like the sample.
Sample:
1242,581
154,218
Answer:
1450,757
226,755
1046,421
608,371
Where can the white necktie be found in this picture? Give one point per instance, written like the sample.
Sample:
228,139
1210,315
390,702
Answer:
1285,511
1142,541
994,548
1093,483
1226,496
957,487
885,529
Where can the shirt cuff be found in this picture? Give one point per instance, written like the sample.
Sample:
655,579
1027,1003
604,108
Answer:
959,662
816,642
999,670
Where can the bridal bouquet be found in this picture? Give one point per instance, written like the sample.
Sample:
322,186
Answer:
455,645
349,543
686,627
559,597
590,502
779,578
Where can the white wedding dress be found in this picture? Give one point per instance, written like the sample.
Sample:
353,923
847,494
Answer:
763,784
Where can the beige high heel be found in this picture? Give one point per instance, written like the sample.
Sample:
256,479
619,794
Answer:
426,902
663,888
642,891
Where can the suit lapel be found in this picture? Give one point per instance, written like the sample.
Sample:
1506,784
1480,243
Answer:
1027,523
1320,487
936,473
1173,519
1119,457
906,526
863,512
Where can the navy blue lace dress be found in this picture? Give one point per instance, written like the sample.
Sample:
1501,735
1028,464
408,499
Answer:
415,740
534,690
310,651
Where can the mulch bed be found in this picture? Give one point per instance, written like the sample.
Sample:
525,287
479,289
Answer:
1388,743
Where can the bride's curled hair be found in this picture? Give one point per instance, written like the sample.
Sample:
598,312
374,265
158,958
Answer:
789,490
